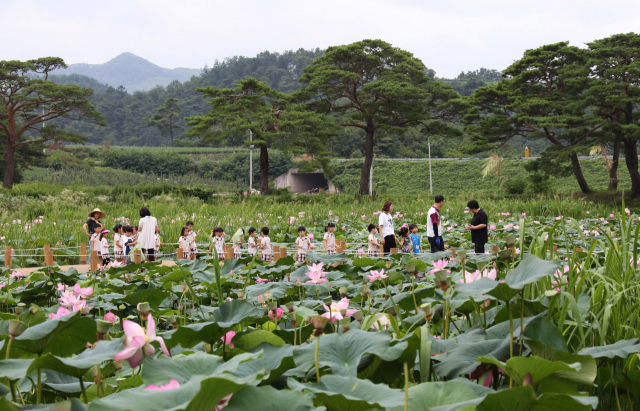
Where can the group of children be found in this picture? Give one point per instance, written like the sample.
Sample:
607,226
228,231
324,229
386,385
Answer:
409,240
125,239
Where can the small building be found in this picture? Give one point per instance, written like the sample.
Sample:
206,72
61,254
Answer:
303,182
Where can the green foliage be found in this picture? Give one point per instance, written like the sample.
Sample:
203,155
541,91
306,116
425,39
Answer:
141,161
166,117
516,185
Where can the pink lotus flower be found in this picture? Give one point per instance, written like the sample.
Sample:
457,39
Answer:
62,287
316,277
375,275
279,312
471,277
111,317
382,321
261,280
439,265
68,299
492,227
169,386
82,292
135,340
228,337
335,309
17,275
310,236
316,268
223,403
61,311
81,305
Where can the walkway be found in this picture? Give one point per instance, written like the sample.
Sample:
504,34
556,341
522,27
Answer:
80,267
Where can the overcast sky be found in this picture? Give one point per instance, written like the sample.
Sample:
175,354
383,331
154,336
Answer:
447,36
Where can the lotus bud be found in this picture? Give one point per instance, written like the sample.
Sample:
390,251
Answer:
298,282
329,284
345,324
143,309
118,365
240,295
292,319
16,328
343,313
34,309
400,287
208,348
18,310
93,371
173,322
392,311
103,328
426,308
239,276
185,287
358,315
273,306
343,292
505,254
510,240
232,274
290,306
528,380
386,297
86,310
260,299
365,290
327,301
122,307
319,323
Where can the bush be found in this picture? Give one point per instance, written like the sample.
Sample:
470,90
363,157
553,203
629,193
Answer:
540,184
236,167
59,160
146,161
516,185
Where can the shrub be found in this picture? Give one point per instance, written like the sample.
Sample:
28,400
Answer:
516,185
146,161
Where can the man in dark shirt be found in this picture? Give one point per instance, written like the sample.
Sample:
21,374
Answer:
478,226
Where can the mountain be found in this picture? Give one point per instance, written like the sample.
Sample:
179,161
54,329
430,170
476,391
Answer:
130,71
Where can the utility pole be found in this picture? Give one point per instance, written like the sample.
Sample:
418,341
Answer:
430,179
250,163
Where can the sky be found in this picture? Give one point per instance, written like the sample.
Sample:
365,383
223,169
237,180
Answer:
448,37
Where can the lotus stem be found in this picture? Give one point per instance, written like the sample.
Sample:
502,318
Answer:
7,356
84,393
521,323
316,359
510,339
413,295
13,391
406,387
39,395
615,386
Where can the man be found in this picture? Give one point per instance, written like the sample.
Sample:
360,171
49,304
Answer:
434,225
478,226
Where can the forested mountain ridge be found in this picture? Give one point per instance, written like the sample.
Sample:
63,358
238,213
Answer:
133,72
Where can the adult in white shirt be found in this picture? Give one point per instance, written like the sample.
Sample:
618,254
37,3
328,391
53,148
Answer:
387,233
147,234
434,225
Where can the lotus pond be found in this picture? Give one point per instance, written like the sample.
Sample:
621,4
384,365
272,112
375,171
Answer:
548,322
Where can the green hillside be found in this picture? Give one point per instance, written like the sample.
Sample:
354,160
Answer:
461,177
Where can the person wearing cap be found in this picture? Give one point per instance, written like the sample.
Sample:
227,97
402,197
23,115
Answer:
90,226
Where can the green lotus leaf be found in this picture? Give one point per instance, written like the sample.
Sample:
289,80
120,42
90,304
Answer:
539,368
524,398
250,340
274,360
327,258
478,287
530,270
616,351
462,358
588,368
343,393
63,336
440,396
269,399
153,296
342,352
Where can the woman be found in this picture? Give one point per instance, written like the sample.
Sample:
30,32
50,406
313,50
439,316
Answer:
478,226
147,234
90,226
387,233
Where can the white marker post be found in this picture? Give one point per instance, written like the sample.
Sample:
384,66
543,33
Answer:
250,163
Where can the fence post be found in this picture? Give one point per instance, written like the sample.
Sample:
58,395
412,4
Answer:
94,260
48,258
453,252
47,248
7,257
83,253
179,254
137,257
393,251
283,252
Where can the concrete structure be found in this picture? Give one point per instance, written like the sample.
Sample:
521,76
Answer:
303,182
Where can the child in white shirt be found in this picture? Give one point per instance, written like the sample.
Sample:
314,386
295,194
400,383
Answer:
302,244
237,240
118,244
184,243
265,245
217,242
330,239
252,246
374,245
104,248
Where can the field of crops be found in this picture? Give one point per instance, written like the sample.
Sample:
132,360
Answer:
547,322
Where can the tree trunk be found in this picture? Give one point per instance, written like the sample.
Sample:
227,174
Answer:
9,165
631,158
264,170
613,172
368,160
171,132
575,163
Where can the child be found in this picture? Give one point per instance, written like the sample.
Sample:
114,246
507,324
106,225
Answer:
374,245
104,248
405,240
118,231
237,240
95,239
135,233
184,243
330,239
217,241
192,240
415,238
129,242
158,243
265,245
253,247
302,244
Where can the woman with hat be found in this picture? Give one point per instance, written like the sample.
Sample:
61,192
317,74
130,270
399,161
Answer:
90,226
147,234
